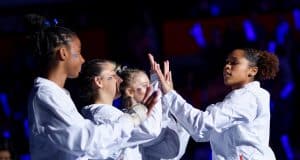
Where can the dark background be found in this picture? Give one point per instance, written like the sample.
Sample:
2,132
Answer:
194,35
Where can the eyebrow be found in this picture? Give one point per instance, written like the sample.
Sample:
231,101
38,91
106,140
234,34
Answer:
145,82
232,58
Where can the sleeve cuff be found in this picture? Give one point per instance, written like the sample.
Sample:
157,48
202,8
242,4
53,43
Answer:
138,113
169,97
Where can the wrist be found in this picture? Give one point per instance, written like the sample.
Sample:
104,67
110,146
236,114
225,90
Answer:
138,113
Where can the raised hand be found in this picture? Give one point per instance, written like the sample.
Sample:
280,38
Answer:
164,78
152,63
150,99
168,74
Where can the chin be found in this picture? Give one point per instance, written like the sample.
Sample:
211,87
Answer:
73,76
226,82
118,95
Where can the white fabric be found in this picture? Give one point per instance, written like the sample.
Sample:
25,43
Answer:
237,126
58,131
172,142
148,130
141,111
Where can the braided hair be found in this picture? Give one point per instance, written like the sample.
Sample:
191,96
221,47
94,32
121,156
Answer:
45,38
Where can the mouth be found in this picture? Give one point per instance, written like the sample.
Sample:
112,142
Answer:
226,74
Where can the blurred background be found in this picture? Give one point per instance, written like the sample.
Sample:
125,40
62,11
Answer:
194,35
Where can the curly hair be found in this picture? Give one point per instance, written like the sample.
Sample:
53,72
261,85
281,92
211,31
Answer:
267,63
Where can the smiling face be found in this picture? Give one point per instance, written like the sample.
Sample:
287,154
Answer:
238,70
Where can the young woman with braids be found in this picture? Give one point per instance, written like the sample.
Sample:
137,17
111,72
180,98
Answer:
237,127
57,129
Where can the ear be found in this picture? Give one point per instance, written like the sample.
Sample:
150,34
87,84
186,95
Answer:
252,72
129,92
98,82
62,53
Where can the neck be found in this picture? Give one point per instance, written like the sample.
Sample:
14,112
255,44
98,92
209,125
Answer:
57,77
104,99
241,85
133,101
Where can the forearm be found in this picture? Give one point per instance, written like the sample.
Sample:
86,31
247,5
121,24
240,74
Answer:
149,129
95,141
189,117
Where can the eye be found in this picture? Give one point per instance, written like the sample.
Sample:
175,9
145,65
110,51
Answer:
145,85
109,78
227,62
232,62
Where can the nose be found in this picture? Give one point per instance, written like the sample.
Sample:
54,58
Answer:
227,66
82,59
119,79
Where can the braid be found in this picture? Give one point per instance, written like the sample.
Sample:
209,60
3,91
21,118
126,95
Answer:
45,38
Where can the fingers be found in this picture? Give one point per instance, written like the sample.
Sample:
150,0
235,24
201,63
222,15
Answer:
164,77
151,101
159,73
156,67
170,80
166,67
152,61
170,77
158,70
148,94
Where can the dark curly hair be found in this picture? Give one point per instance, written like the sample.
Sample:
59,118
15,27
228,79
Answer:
267,63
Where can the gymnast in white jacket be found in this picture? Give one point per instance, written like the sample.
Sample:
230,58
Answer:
173,139
99,87
237,127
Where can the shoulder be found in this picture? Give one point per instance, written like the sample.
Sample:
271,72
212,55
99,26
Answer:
101,108
101,112
241,95
250,91
46,88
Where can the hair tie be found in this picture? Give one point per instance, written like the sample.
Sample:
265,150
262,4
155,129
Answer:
121,69
50,23
55,21
47,24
